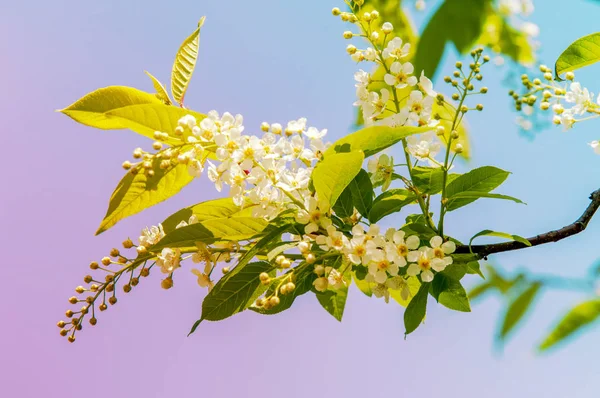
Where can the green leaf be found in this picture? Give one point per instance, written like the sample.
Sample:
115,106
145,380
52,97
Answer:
362,192
479,195
344,207
582,52
390,202
415,312
479,290
487,232
579,317
334,301
161,91
233,293
185,62
374,139
118,107
334,173
517,309
428,179
450,293
209,231
217,208
482,180
474,268
139,191
304,277
245,260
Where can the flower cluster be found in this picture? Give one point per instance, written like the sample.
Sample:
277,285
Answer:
569,101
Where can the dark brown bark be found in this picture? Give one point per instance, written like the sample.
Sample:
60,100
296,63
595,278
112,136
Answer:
552,236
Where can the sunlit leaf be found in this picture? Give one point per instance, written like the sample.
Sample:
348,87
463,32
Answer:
335,172
185,63
390,202
488,232
161,91
582,52
481,180
415,312
139,191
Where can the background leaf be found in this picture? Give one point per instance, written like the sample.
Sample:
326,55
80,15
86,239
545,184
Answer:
185,63
488,232
517,309
575,320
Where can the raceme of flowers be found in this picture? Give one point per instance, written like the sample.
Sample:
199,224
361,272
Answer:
269,175
569,101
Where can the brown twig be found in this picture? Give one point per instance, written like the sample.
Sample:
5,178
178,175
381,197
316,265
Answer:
553,236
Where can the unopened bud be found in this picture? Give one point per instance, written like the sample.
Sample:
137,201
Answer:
387,28
94,265
126,165
310,258
264,126
73,300
570,76
274,301
106,260
114,252
458,148
127,244
167,283
112,300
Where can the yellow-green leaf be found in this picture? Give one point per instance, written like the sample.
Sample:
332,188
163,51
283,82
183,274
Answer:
161,91
413,287
374,139
579,317
215,229
217,208
139,191
335,172
185,62
488,232
118,107
582,52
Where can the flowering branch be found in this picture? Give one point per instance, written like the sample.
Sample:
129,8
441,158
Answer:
552,236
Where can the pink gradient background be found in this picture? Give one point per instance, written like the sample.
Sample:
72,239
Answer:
275,61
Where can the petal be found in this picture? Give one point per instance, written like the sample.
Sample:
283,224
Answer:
413,256
393,269
389,79
449,247
413,270
438,264
436,241
412,242
399,237
380,277
427,276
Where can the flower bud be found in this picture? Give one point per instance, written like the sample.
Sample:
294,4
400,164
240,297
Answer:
570,76
73,300
166,283
93,321
440,130
310,258
387,28
71,339
126,165
274,301
114,252
336,11
127,244
458,148
319,270
351,49
87,278
106,260
348,35
483,90
112,300
454,134
141,249
102,307
94,265
225,270
264,126
276,128
374,14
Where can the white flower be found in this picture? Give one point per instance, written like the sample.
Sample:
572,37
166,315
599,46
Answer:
380,265
315,216
567,120
362,78
204,277
395,49
426,85
425,146
370,54
296,126
151,236
314,133
168,260
374,104
398,247
425,261
595,146
441,249
381,169
335,279
400,75
334,240
192,220
387,28
418,105
581,97
357,251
